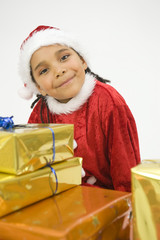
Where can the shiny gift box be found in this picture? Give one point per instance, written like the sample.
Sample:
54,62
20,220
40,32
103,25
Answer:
146,200
29,147
17,192
80,213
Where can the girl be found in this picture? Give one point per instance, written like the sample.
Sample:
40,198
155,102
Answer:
54,67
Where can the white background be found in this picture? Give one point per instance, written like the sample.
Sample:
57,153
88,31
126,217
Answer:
122,40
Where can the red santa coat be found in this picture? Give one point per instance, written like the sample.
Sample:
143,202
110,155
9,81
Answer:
105,132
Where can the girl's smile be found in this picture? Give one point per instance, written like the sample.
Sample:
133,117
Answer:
58,71
66,82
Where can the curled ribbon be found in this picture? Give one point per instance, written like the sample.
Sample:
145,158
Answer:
53,138
49,165
6,122
54,172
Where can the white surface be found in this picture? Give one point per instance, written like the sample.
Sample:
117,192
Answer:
122,39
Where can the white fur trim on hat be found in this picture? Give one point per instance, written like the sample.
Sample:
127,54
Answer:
40,38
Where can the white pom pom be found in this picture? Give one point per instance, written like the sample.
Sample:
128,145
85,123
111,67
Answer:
25,93
74,144
91,180
83,173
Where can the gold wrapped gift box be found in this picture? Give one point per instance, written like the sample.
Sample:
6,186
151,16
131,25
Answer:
29,147
146,200
81,213
19,191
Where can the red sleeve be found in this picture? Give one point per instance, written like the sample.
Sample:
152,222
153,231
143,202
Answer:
123,147
35,116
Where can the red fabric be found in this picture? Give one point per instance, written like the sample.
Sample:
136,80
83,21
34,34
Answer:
106,134
39,28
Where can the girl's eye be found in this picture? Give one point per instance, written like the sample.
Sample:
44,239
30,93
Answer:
64,57
43,71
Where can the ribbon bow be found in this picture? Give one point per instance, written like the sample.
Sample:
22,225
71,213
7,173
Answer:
6,122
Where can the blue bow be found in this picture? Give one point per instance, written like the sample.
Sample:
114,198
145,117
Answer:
6,122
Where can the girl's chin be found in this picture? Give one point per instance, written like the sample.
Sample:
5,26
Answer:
67,99
68,95
64,100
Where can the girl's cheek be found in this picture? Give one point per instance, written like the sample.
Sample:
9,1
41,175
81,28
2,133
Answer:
48,82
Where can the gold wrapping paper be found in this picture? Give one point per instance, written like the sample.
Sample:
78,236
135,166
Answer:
146,200
29,147
81,213
17,192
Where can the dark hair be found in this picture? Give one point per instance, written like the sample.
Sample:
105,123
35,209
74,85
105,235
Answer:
97,76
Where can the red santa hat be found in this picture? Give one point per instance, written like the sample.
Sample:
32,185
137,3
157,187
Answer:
39,37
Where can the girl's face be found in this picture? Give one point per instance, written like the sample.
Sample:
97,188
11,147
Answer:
58,71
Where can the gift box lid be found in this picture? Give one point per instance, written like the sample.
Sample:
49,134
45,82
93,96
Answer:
148,168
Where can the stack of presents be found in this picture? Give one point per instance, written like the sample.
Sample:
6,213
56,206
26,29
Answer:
36,161
41,196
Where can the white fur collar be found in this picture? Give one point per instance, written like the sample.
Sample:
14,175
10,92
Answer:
75,103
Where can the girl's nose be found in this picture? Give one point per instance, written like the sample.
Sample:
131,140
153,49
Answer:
60,73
